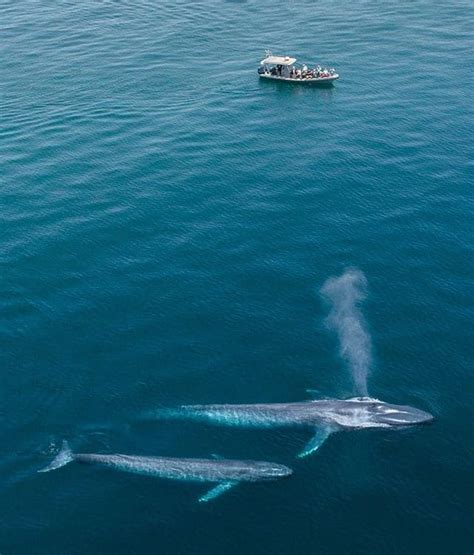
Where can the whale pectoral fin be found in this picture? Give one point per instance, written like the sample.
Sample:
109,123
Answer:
315,442
216,456
216,491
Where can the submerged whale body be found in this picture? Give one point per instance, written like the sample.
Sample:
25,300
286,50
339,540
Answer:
326,416
225,472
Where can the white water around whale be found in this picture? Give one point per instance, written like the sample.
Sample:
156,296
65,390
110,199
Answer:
345,293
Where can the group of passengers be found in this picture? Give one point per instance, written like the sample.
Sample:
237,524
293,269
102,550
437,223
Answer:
277,70
296,73
305,73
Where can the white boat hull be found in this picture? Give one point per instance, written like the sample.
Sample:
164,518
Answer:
312,80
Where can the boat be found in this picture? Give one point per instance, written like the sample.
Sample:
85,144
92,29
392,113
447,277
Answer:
284,68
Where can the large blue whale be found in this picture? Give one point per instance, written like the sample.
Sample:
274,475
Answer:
324,416
225,473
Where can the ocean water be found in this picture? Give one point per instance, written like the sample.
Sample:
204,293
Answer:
167,224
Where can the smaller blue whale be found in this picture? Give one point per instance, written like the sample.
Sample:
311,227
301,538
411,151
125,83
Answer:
225,472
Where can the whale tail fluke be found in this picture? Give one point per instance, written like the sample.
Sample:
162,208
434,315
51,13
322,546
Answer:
64,456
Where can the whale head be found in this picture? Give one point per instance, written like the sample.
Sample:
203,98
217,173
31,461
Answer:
396,415
282,471
274,470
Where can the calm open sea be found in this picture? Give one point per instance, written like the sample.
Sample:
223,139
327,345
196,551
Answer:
167,223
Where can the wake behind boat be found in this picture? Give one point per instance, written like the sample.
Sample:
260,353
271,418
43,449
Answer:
284,68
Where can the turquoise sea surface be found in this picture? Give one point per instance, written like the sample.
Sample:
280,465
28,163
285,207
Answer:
167,224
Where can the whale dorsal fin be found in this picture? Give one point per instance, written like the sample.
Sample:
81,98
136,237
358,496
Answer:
315,442
216,491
